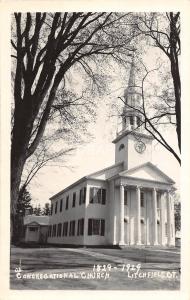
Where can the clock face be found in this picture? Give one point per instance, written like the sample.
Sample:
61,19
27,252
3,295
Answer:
140,147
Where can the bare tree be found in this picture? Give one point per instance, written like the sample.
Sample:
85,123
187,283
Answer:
45,48
42,157
164,31
155,114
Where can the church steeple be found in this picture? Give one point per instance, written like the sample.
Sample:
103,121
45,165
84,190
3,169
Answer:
131,118
132,145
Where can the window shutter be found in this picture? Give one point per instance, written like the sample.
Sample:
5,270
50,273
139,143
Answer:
82,229
103,196
73,227
99,195
84,195
61,204
89,226
78,229
74,199
102,227
91,195
80,197
66,229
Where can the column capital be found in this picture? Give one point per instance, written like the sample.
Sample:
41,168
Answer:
138,187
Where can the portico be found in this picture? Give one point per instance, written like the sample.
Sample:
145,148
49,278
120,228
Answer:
148,218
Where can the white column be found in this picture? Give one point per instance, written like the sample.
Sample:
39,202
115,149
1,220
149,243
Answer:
148,219
121,240
162,218
169,241
155,230
138,216
128,210
114,230
112,208
147,231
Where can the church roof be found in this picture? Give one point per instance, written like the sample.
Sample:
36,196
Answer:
39,220
147,171
108,172
102,175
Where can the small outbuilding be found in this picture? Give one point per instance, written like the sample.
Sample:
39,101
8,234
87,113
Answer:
36,229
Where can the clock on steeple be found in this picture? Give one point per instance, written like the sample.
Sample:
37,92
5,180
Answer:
132,145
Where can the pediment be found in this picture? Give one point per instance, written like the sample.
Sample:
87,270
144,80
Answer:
147,171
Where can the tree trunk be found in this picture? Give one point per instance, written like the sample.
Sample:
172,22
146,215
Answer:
17,165
20,139
174,45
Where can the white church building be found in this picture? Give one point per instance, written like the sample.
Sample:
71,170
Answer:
128,203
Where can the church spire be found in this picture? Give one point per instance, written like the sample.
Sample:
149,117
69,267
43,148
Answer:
131,93
131,81
131,118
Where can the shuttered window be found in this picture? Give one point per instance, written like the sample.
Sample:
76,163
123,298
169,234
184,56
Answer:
82,196
96,227
97,195
65,229
72,228
80,229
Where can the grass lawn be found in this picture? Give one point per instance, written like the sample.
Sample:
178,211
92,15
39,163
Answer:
95,269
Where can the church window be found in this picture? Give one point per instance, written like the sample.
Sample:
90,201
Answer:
97,195
82,196
80,229
72,228
142,199
125,197
122,146
65,228
96,227
67,203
